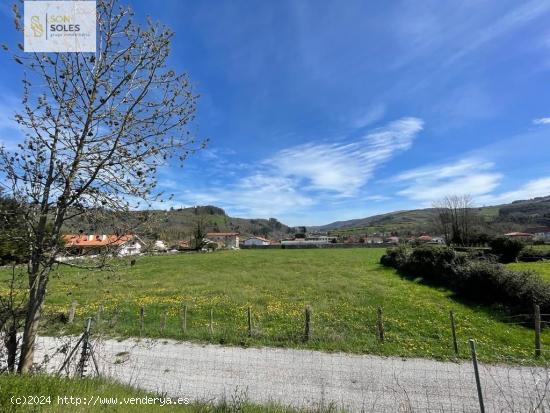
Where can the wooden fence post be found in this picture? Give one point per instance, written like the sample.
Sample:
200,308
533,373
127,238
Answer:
249,316
184,319
141,317
114,318
380,324
163,322
72,312
453,330
211,321
98,314
307,326
537,330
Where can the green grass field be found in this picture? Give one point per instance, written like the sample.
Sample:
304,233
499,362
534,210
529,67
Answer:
343,286
99,395
540,267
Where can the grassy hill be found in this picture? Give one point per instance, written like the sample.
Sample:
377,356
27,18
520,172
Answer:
178,224
519,215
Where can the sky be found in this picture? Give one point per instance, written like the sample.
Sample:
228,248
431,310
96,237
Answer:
319,111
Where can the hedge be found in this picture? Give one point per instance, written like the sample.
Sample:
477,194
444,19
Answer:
532,255
478,278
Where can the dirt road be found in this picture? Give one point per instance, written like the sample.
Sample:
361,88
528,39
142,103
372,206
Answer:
311,379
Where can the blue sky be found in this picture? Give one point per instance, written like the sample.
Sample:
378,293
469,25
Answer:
326,110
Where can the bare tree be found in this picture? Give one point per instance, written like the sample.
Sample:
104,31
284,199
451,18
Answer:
199,231
12,316
97,128
455,219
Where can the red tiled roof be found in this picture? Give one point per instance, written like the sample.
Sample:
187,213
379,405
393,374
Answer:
425,238
260,238
222,234
81,240
518,234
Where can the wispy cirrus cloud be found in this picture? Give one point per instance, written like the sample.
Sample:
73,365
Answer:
515,18
298,177
532,189
344,167
372,115
541,121
259,195
473,176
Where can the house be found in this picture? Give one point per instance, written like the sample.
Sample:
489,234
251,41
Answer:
374,240
424,239
256,241
92,244
540,233
392,240
437,240
182,245
228,240
520,235
311,240
160,246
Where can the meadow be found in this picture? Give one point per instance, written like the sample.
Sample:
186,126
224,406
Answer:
343,286
540,267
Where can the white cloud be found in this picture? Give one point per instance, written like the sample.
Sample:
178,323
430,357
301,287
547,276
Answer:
311,174
256,195
377,198
472,176
514,19
372,115
532,189
344,168
541,121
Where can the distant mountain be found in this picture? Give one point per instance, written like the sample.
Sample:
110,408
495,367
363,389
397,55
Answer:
398,219
178,224
519,215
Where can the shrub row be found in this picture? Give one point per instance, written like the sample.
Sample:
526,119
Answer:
508,249
481,279
532,255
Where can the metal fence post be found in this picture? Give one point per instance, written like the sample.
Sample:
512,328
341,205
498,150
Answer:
453,329
476,372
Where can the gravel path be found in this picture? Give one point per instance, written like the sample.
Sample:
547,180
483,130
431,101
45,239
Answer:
312,379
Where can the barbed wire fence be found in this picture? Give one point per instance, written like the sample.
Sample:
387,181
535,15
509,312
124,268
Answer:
321,381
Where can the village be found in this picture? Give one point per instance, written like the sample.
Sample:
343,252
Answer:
130,244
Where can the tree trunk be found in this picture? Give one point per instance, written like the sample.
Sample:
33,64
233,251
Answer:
11,346
30,331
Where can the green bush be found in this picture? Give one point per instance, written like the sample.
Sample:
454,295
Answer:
481,280
395,257
532,255
436,264
490,282
508,249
